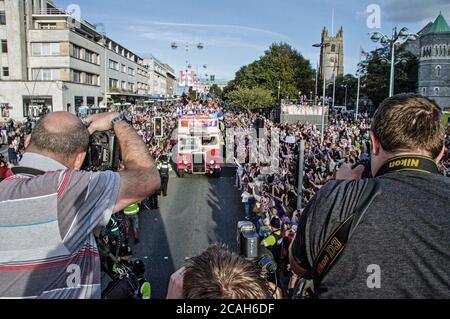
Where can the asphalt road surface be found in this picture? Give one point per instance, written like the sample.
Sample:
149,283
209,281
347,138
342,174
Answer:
198,210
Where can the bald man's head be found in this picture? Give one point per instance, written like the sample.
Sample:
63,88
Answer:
61,134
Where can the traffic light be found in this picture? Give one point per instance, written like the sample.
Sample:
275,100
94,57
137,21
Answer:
158,127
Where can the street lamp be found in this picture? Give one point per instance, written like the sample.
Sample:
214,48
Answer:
397,38
321,46
359,72
187,48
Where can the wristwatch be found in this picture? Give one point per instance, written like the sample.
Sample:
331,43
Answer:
121,117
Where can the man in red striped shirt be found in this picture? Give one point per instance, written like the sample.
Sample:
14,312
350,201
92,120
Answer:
49,208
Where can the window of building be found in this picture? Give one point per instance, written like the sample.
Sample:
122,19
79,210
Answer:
123,85
436,91
45,48
76,76
113,83
424,91
37,105
89,56
76,52
4,46
5,71
47,26
113,65
79,100
124,68
131,86
131,71
90,100
333,48
45,74
89,79
438,71
2,18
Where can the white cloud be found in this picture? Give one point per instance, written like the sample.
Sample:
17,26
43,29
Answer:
229,28
218,35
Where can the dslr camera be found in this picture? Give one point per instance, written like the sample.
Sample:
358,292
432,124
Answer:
251,249
103,152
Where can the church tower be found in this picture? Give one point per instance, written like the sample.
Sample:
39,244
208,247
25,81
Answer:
332,56
434,63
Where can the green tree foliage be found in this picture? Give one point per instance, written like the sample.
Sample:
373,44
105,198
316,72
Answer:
352,86
281,63
216,90
251,98
375,81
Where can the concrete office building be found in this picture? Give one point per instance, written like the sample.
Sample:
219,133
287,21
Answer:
52,61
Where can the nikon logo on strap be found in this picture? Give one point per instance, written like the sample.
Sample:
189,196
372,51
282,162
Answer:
409,163
405,162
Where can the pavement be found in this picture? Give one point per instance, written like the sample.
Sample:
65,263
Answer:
198,211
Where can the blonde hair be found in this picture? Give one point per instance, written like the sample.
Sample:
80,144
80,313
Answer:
217,273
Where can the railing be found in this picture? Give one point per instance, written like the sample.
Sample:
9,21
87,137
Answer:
50,11
299,102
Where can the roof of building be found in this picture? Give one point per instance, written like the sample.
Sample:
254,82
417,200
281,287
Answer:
439,25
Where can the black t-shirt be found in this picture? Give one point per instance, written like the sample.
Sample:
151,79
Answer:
405,232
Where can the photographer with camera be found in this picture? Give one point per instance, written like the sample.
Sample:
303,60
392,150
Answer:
50,207
391,232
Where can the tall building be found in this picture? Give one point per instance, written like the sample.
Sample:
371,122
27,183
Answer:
332,56
171,81
52,61
434,62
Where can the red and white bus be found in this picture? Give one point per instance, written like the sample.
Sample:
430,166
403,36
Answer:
198,149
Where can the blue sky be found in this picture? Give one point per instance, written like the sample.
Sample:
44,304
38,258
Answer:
236,32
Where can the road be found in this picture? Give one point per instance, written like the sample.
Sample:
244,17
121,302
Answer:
199,210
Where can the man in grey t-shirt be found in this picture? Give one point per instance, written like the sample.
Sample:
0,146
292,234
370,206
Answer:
400,249
49,208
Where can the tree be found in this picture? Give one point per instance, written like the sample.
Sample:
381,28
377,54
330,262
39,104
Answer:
280,64
216,90
375,81
251,98
352,86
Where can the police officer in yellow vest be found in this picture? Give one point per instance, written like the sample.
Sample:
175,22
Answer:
131,213
164,168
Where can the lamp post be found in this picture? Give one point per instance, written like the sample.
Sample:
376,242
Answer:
397,38
345,86
187,48
358,73
321,46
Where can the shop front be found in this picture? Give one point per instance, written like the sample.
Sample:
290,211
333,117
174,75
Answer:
37,106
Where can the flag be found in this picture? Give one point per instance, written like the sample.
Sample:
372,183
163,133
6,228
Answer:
364,53
182,78
191,78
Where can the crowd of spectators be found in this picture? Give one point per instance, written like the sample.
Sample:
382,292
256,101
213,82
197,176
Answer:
269,195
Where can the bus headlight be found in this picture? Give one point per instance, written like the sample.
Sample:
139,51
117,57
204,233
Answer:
185,162
212,162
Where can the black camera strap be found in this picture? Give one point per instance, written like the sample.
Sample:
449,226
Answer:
335,244
415,163
21,170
